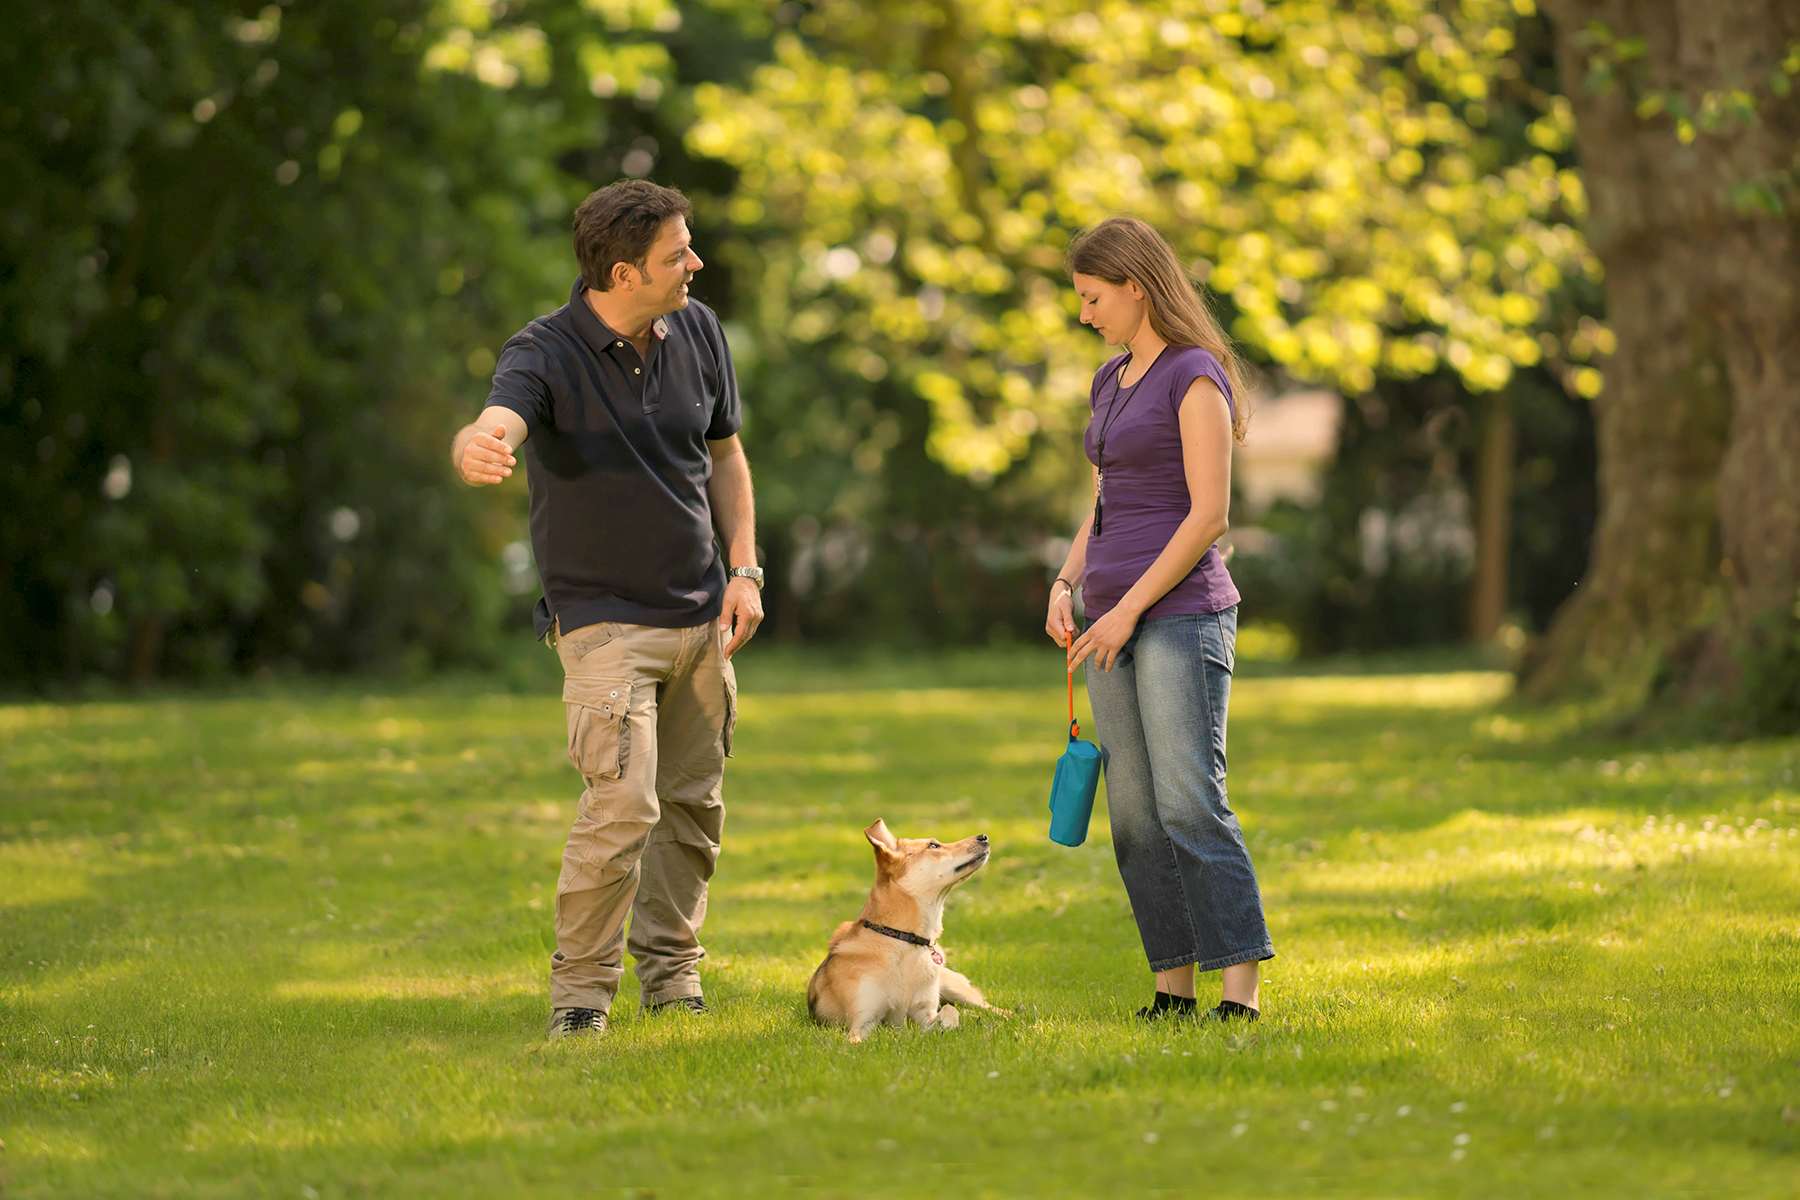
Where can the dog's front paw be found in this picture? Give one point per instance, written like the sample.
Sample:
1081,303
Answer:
948,1018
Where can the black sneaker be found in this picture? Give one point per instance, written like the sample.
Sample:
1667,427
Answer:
1167,1005
577,1022
693,1004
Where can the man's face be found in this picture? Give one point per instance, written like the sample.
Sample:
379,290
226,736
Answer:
668,267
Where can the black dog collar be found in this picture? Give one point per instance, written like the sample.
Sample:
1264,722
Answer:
900,934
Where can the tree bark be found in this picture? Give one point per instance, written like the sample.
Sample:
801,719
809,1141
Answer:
1699,425
1493,512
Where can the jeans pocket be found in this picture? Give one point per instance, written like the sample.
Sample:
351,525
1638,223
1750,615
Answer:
1218,640
598,736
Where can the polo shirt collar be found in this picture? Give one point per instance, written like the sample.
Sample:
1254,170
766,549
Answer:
601,336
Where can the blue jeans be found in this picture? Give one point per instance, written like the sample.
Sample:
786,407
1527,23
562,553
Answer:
1161,713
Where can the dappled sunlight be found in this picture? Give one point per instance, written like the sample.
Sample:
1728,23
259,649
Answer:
50,871
1305,698
55,1143
52,983
777,763
409,987
1474,846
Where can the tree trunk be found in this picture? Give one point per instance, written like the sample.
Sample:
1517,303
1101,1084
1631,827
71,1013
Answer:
1493,510
1699,426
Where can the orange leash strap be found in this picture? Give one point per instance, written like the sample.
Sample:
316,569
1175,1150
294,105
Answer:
1074,728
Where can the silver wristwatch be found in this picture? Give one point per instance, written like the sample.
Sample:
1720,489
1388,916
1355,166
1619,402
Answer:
753,574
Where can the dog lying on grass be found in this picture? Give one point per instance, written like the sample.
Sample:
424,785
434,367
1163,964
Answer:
886,965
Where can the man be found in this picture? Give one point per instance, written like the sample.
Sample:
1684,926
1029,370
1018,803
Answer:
626,404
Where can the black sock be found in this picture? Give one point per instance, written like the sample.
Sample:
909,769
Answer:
1167,1004
1228,1009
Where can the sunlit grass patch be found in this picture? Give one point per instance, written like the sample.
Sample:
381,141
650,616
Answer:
267,943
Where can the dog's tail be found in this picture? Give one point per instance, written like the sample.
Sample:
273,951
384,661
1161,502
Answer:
813,987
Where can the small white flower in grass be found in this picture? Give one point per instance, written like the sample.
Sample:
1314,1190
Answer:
1457,1155
1150,1138
1405,1110
1723,1092
993,1074
1328,1105
1459,1106
1239,1129
1462,1139
1305,1126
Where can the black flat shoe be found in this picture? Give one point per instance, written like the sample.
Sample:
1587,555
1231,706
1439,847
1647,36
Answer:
1231,1010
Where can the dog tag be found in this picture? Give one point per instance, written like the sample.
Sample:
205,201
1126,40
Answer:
937,956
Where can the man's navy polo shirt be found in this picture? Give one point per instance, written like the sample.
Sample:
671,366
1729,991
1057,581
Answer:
617,463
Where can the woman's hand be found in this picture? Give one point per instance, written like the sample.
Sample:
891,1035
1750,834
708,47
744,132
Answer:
1059,621
1104,639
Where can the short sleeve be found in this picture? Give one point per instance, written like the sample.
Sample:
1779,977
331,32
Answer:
521,382
1193,364
727,412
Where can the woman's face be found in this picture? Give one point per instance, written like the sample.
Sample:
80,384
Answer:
1115,310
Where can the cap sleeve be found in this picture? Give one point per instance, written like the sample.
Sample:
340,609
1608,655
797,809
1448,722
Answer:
1193,364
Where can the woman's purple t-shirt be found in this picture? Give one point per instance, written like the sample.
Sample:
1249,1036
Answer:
1145,491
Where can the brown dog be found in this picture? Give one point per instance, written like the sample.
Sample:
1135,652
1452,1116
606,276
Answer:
886,965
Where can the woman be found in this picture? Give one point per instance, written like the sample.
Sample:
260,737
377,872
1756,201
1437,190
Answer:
1162,615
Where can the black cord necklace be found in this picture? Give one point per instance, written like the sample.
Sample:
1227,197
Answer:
1113,409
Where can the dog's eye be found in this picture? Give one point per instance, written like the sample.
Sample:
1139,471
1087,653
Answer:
934,845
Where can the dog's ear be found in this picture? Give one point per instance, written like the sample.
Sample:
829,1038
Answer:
880,838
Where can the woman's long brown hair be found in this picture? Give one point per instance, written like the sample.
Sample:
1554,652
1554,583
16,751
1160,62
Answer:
1122,248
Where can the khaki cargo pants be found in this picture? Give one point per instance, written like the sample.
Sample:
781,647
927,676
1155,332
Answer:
650,717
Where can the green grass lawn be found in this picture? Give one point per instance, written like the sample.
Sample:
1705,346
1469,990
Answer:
292,942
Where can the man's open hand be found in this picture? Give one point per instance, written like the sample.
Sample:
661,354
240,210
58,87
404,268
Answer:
486,458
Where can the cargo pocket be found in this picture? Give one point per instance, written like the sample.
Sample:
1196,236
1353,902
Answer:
731,702
599,740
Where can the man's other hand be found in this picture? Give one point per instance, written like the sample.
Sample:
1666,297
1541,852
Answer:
743,612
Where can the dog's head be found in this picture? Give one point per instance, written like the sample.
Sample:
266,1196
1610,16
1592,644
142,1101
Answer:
925,868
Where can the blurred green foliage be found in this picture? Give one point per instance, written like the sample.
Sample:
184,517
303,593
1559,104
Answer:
256,260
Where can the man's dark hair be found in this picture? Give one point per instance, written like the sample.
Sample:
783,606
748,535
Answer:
618,223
